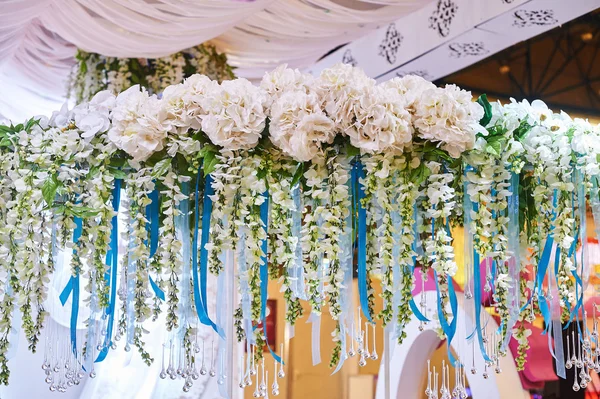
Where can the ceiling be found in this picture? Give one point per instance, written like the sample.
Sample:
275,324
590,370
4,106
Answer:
560,67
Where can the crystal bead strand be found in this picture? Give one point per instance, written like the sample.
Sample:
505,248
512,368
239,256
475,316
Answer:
374,355
428,391
281,373
275,386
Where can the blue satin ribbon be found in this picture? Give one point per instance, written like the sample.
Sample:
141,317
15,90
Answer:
73,287
112,261
413,267
200,282
449,329
264,272
152,214
358,173
543,264
477,296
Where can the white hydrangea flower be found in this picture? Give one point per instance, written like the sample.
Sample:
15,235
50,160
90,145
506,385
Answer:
340,90
282,80
139,125
410,87
299,127
381,122
235,114
448,116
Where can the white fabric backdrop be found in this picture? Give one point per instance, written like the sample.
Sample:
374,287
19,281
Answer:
38,38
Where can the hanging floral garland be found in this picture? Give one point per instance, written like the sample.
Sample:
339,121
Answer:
297,180
94,72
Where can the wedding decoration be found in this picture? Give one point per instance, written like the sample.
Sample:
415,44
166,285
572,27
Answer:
293,182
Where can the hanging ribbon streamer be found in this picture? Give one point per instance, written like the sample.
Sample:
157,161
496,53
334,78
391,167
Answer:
358,174
315,320
131,279
477,295
514,263
182,231
346,318
297,269
581,206
152,214
449,329
222,321
416,249
72,287
468,259
200,282
553,325
112,261
264,271
396,276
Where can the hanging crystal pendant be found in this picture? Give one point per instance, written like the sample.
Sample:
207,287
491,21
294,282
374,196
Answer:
280,373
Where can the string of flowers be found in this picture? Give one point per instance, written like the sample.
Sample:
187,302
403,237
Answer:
94,73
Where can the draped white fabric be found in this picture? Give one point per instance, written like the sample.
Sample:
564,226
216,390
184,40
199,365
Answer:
38,38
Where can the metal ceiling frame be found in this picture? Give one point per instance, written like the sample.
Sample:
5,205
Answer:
534,83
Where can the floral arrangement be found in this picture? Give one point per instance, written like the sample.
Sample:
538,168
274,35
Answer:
282,182
94,73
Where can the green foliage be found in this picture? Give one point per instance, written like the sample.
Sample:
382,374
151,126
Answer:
49,188
487,109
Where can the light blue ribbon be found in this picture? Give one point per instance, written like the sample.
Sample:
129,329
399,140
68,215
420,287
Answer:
345,289
264,271
112,261
182,228
200,283
513,267
152,214
357,174
477,295
73,287
449,329
297,269
413,306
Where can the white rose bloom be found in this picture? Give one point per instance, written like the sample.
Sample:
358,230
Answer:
299,127
448,116
381,121
340,90
235,114
139,125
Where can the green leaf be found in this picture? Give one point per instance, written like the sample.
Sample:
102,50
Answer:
487,109
210,162
49,189
420,174
522,130
82,211
262,173
117,173
30,123
351,150
298,175
118,162
161,167
5,142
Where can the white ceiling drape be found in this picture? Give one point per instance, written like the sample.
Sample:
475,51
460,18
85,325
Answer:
38,38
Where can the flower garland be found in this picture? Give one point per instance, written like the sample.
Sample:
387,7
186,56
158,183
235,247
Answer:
295,141
94,73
